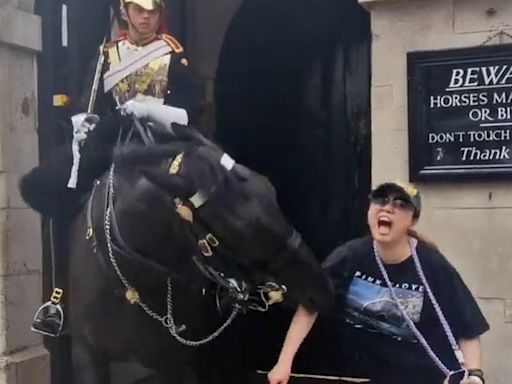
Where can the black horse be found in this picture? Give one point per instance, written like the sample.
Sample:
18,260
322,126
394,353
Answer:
174,244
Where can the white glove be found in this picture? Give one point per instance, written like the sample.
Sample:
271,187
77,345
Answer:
135,108
160,115
83,123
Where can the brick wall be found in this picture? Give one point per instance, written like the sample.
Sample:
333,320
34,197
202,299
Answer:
472,223
22,358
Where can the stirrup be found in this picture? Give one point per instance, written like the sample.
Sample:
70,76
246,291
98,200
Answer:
49,318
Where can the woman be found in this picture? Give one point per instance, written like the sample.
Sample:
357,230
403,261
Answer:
399,303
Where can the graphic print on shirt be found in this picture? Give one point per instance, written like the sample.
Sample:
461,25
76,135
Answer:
370,306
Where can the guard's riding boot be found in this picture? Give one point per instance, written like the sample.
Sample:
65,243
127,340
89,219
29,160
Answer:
49,318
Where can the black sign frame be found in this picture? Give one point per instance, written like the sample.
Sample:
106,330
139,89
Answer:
421,66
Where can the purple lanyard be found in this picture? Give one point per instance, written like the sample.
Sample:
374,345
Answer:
437,308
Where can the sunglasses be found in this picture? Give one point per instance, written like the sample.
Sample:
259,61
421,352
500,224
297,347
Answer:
396,202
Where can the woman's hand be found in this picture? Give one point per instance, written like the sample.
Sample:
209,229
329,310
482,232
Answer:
472,380
468,380
280,374
300,326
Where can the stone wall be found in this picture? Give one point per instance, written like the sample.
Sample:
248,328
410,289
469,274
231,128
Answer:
472,223
22,358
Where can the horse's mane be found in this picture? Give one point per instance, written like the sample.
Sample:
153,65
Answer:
45,189
180,140
132,155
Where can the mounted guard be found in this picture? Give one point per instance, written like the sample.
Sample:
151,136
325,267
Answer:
143,73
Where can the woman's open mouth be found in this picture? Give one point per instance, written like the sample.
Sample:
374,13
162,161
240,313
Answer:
384,225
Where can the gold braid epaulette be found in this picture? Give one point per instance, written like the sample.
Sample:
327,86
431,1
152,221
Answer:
175,45
113,43
110,51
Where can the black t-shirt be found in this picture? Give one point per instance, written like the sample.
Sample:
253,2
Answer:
371,325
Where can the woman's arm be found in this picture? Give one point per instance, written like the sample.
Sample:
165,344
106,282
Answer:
300,326
472,351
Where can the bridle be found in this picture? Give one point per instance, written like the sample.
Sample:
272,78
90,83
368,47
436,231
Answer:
239,293
238,290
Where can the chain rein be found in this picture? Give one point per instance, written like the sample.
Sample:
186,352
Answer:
167,320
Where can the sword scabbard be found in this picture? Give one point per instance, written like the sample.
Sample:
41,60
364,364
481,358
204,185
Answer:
96,80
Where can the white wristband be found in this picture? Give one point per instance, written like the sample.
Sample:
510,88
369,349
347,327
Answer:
476,379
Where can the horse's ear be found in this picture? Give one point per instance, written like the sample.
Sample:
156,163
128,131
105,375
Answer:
132,155
174,185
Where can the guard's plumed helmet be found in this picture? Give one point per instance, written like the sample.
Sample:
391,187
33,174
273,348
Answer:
146,4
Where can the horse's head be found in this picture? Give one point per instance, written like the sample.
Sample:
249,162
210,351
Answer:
232,213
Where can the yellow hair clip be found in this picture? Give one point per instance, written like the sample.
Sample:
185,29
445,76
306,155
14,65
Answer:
409,188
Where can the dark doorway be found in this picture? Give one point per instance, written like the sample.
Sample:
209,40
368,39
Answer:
293,102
